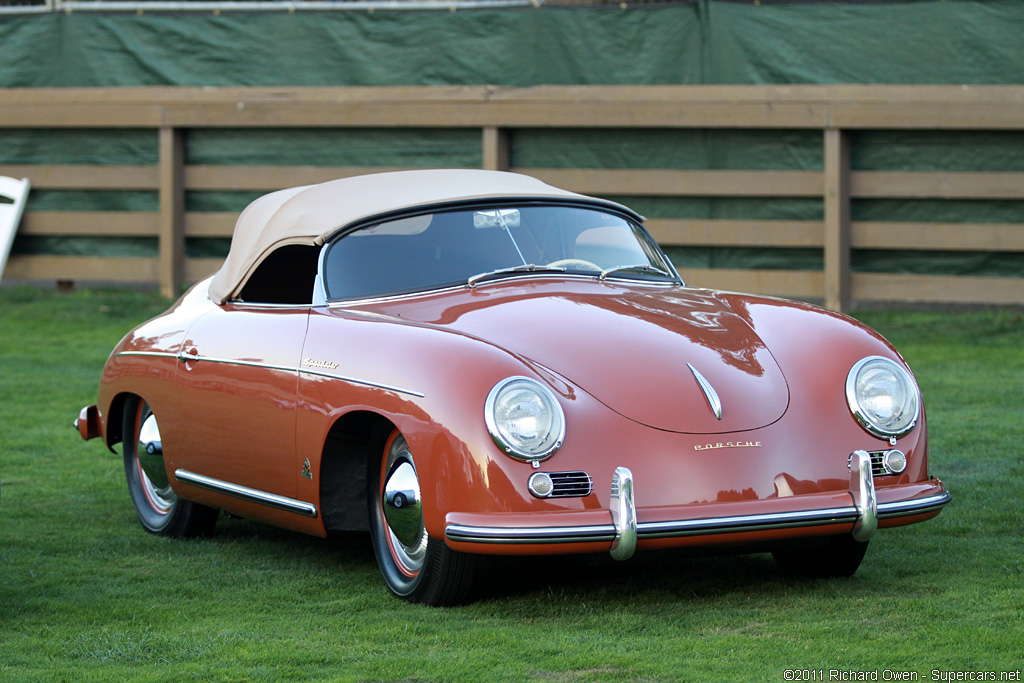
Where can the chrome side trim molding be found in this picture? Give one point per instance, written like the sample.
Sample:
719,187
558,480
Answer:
245,493
691,527
148,354
364,382
195,358
185,357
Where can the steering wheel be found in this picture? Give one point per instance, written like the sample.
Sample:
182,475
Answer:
575,263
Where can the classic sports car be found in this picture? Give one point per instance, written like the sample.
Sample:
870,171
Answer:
475,362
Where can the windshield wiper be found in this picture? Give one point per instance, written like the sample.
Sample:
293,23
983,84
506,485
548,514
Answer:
642,267
525,268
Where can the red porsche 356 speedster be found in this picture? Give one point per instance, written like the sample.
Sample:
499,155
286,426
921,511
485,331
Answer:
474,362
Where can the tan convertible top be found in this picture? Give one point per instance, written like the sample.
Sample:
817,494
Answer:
312,213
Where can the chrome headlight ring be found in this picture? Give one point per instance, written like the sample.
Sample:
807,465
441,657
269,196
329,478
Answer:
524,419
883,397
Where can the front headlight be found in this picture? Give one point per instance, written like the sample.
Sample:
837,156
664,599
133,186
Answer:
882,396
524,418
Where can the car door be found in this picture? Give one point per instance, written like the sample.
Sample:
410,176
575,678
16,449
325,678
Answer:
237,384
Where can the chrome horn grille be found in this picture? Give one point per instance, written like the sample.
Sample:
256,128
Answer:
570,484
878,463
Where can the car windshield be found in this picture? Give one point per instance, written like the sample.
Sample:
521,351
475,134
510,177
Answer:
477,245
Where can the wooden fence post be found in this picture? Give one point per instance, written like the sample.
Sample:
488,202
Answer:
172,211
495,144
837,220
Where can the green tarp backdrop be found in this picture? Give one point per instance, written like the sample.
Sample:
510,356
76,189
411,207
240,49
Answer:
705,42
939,41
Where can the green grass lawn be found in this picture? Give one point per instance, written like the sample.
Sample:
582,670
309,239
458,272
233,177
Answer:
87,595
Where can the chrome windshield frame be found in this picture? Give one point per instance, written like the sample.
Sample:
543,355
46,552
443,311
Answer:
660,261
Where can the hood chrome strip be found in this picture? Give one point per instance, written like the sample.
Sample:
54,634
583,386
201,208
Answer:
714,402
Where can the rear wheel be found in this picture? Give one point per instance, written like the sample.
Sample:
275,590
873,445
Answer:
415,567
831,557
159,509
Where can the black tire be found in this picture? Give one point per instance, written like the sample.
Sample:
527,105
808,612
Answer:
831,557
159,509
415,567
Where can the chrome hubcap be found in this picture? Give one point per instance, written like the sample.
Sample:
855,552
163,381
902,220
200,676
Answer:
152,473
403,509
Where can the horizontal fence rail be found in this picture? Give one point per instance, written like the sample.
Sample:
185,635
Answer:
835,112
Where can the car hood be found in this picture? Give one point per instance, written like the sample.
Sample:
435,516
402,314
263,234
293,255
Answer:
632,348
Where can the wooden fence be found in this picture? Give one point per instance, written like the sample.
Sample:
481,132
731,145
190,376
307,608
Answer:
834,110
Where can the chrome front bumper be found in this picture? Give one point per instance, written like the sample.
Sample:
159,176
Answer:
625,531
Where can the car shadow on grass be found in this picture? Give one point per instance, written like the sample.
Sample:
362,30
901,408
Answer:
652,575
666,573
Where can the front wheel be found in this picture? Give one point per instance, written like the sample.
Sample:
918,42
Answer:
159,509
415,567
831,557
